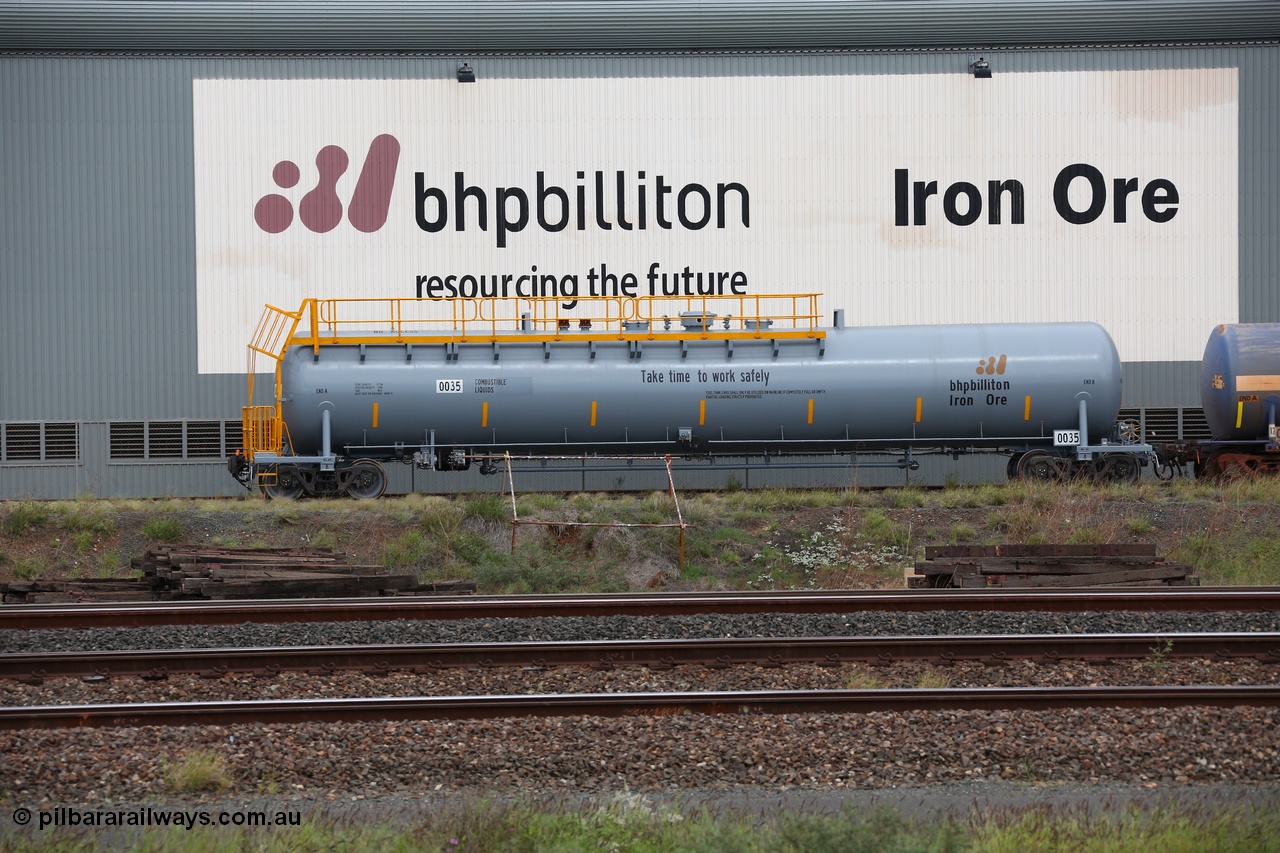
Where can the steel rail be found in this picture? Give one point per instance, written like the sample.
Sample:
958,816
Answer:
130,614
987,648
629,705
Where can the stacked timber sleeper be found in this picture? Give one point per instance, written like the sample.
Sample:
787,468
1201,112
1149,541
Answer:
1048,566
171,572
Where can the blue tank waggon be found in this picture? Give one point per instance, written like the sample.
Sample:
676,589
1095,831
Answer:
360,384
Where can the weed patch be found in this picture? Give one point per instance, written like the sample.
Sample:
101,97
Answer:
634,822
162,530
488,507
25,516
543,566
862,680
28,568
198,772
932,679
93,522
766,539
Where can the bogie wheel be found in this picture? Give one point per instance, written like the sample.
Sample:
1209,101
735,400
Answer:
1120,468
1238,466
367,479
288,485
1210,468
1040,465
1012,468
1228,464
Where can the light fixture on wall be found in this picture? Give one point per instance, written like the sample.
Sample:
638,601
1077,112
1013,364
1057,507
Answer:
981,68
467,75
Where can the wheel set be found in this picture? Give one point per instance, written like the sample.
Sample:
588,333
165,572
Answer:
1048,467
363,479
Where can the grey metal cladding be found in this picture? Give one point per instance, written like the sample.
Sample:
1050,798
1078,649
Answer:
507,26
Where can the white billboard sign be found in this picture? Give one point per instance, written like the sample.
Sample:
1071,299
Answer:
1106,195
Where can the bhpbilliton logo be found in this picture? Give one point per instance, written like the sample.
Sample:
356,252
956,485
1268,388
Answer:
321,209
992,366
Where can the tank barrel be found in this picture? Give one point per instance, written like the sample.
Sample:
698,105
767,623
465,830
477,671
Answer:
757,381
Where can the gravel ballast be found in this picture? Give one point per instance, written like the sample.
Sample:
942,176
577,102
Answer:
691,679
580,629
1161,747
674,753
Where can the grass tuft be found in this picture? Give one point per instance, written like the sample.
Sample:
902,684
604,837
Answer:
94,521
488,507
198,772
862,680
162,530
25,516
28,568
932,679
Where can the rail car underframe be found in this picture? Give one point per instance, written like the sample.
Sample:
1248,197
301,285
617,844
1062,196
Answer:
1031,457
1220,459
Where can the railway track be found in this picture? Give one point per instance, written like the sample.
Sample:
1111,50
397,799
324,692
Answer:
989,648
460,711
658,654
630,704
116,615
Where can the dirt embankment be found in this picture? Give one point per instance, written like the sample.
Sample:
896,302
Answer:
734,541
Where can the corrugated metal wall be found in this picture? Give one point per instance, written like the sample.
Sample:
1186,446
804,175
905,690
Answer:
97,246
